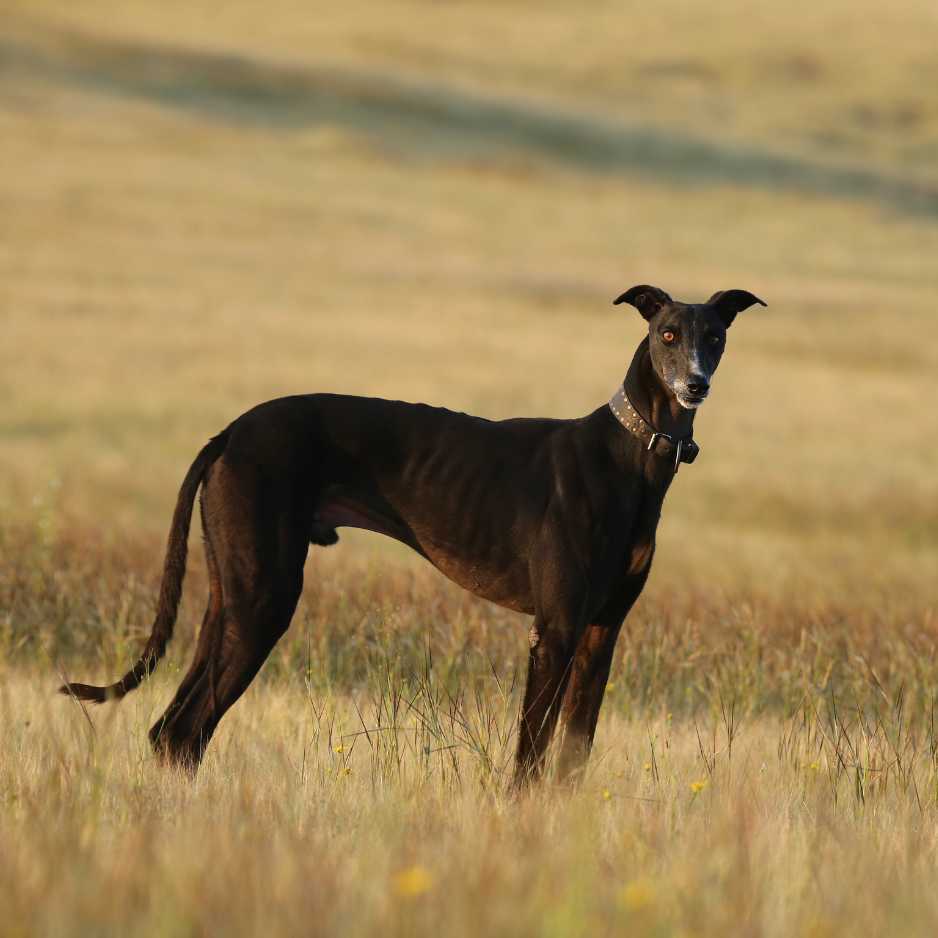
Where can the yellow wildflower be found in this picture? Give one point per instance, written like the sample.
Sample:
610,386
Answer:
698,786
638,894
413,882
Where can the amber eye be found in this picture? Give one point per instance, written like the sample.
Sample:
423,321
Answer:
667,337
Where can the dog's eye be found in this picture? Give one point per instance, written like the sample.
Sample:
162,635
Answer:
714,339
667,337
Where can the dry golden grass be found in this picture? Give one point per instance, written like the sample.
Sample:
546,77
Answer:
761,767
300,823
201,210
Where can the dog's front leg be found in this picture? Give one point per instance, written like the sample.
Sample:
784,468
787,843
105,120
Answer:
589,674
584,696
553,642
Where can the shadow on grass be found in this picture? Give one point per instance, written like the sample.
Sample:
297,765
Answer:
431,120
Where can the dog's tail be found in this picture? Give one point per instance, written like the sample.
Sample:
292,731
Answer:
174,571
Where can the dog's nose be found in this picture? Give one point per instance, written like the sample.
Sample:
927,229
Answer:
698,385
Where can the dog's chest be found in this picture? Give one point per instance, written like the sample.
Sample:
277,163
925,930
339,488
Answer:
637,525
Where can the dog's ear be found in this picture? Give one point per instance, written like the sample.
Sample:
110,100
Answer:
647,300
730,302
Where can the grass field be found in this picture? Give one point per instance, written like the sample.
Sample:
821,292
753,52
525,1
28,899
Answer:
204,208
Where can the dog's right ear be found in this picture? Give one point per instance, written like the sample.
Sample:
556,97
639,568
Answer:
647,300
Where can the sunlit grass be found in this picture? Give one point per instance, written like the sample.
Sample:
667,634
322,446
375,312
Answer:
769,824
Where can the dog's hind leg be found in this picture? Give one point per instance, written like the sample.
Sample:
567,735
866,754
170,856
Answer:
257,561
206,649
236,645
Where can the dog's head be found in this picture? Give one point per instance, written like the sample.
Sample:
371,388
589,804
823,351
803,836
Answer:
686,340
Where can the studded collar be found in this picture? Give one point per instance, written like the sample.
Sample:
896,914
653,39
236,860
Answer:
683,450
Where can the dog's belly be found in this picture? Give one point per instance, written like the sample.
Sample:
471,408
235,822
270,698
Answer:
497,576
348,513
503,581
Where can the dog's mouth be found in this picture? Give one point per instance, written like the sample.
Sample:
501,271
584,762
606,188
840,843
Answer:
689,401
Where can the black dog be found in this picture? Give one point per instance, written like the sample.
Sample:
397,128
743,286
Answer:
554,518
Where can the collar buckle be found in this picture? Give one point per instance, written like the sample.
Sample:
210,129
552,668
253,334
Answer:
676,445
658,435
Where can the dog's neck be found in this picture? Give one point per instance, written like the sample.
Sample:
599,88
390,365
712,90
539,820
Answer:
653,400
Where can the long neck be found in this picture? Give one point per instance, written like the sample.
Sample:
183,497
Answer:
653,400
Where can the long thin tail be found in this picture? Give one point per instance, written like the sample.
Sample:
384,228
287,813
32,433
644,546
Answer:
174,571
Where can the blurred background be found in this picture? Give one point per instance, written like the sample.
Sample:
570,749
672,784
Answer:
206,205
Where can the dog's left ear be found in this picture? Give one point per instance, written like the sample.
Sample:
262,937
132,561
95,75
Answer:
730,302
